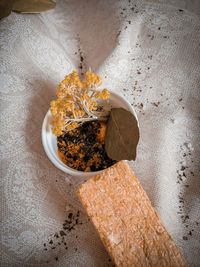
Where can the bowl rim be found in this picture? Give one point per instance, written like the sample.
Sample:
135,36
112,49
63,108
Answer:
56,160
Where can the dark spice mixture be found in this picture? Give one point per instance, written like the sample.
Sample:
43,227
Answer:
83,148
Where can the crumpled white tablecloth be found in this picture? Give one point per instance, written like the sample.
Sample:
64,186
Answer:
150,53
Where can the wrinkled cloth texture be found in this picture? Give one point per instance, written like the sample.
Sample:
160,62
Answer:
150,53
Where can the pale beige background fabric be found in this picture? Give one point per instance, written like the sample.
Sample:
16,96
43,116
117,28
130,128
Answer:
150,53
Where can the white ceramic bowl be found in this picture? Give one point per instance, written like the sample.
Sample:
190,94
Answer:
49,141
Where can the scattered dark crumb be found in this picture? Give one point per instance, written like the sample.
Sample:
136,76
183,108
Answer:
180,99
138,72
62,233
185,238
132,8
56,181
129,22
158,28
190,233
69,224
75,249
180,10
156,104
141,105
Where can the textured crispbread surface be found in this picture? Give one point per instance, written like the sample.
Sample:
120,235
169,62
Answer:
128,225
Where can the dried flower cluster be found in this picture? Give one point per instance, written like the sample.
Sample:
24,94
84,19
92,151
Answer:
77,102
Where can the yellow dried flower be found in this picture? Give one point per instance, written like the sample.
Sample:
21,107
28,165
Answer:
75,100
104,94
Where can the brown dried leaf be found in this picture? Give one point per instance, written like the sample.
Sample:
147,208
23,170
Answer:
5,8
122,135
33,6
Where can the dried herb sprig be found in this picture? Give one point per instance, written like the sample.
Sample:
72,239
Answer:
77,102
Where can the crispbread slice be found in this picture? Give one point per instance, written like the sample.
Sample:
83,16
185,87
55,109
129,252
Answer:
128,225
